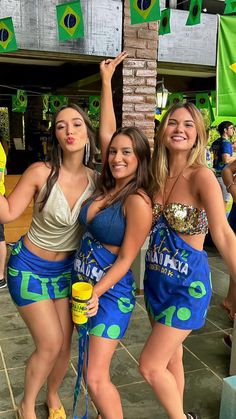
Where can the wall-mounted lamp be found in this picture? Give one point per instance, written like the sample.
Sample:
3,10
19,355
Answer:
162,95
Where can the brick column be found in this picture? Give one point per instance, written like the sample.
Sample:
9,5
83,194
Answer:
139,74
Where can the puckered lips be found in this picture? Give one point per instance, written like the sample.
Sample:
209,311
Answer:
70,140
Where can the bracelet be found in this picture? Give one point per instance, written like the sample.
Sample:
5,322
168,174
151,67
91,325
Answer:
229,186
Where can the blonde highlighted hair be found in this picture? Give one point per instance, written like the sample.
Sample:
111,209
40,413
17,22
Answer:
160,159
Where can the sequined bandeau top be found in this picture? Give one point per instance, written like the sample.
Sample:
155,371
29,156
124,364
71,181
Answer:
182,218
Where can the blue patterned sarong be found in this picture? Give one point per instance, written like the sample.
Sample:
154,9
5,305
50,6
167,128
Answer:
177,283
116,305
31,278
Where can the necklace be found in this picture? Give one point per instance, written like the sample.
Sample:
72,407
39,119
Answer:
172,177
166,197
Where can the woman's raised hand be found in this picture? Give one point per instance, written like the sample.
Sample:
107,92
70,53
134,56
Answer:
107,67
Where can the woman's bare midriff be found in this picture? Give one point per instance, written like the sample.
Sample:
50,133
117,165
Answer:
111,248
44,253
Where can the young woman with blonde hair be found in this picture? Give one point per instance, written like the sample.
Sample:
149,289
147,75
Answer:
177,286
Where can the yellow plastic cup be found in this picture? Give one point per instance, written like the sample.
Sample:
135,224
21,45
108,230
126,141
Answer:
81,293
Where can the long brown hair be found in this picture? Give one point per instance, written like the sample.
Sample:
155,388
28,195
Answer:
141,180
56,153
160,158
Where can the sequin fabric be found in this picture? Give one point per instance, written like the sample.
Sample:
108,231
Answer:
184,219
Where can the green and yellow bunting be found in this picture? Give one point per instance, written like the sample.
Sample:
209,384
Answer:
70,21
226,67
202,100
194,16
45,102
19,101
55,102
230,7
94,104
174,98
164,27
144,11
7,35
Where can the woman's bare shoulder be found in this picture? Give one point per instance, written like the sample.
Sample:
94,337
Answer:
37,172
140,198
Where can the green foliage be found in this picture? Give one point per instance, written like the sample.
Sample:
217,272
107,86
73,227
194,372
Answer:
4,123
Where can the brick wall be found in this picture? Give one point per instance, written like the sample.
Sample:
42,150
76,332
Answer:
139,74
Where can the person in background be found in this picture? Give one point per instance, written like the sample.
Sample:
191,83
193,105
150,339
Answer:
4,143
3,247
177,284
222,149
234,147
228,175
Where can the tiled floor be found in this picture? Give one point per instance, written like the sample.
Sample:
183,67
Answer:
206,360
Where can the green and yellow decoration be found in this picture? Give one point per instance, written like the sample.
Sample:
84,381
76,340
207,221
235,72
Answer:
230,7
195,10
55,102
70,21
164,27
7,35
19,101
144,11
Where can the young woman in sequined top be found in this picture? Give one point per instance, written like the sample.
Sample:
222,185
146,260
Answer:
187,200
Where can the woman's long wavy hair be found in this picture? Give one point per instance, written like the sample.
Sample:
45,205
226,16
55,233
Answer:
142,178
160,158
56,154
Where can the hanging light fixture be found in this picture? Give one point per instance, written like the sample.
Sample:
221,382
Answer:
161,96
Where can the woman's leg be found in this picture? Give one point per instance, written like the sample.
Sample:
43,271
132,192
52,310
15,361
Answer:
61,365
175,366
103,393
161,366
45,327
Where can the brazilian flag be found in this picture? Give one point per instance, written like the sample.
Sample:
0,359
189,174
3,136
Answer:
144,11
70,21
226,67
94,104
55,102
230,7
174,98
202,100
7,35
164,27
194,16
19,101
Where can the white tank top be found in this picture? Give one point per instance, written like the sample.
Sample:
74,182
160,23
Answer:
57,227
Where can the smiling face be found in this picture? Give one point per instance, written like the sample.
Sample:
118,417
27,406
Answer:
229,131
71,130
180,133
122,160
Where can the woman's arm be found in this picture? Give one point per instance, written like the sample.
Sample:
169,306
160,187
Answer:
138,225
228,178
221,233
107,116
19,199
